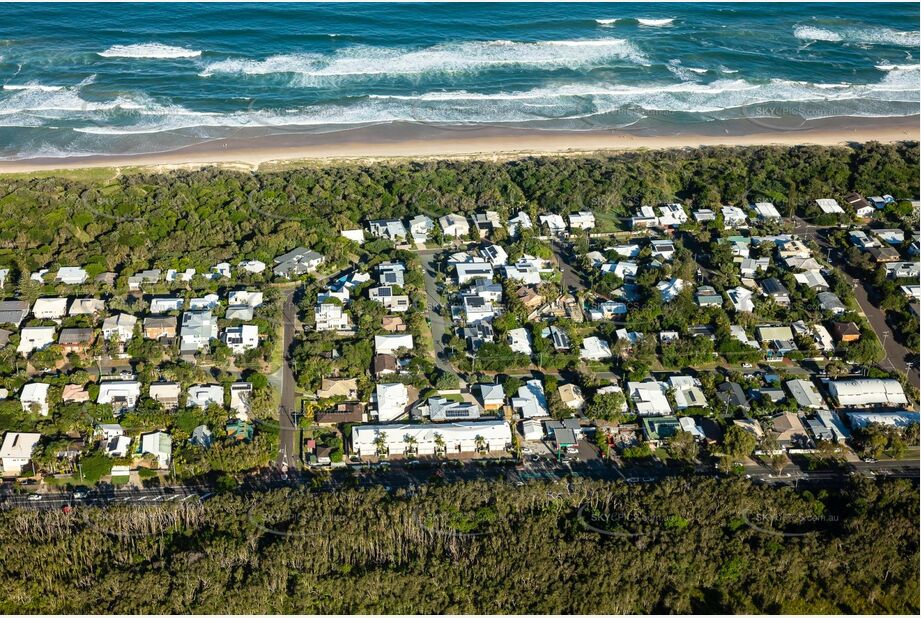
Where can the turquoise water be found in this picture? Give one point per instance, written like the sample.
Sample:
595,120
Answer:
119,79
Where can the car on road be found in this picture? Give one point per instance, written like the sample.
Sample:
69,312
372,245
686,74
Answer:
869,460
34,497
80,494
747,365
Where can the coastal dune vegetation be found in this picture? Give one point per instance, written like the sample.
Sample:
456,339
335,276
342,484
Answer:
682,545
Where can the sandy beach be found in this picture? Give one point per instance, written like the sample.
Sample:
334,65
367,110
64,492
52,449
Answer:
395,141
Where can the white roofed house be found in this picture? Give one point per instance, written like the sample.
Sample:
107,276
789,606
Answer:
477,308
390,229
241,338
687,392
663,248
420,227
554,223
297,262
221,270
526,270
71,275
734,217
455,226
136,280
87,306
519,340
867,392
389,344
672,215
805,394
766,210
120,394
829,206
34,398
391,273
391,401
670,289
384,294
644,218
252,266
494,254
205,395
531,401
245,297
831,303
120,326
812,280
33,338
166,394
50,308
486,222
582,220
355,235
331,317
166,304
649,398
198,329
16,451
471,271
594,348
521,221
241,397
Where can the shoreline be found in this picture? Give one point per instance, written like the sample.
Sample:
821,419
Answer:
427,142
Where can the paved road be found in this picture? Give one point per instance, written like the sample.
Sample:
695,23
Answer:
571,278
432,300
898,356
287,450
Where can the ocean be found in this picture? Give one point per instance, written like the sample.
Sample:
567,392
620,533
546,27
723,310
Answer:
84,79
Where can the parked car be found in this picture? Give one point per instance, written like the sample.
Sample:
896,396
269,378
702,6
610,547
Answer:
34,497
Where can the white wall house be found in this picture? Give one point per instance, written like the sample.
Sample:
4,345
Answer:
460,437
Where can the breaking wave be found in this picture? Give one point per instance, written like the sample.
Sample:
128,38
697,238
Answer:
149,50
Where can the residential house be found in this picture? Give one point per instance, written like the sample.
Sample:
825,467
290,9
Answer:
297,262
472,271
34,398
706,296
531,401
829,206
388,344
331,317
160,445
455,226
160,328
166,394
147,276
32,338
490,396
732,396
881,255
250,298
595,349
529,297
494,254
160,305
241,397
657,430
861,206
775,290
390,229
343,412
198,329
831,303
356,235
74,393
441,409
338,387
16,451
741,300
788,430
704,215
391,273
241,338
582,220
650,398
384,364
687,392
766,211
805,394
559,338
812,280
672,215
420,227
486,222
397,303
87,306
607,310
845,332
391,401
13,312
71,275
120,326
50,308
903,270
891,236
571,396
204,396
75,340
205,303
553,223
664,249
734,218
521,221
252,266
120,394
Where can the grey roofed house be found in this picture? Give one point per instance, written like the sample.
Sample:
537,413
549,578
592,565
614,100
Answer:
477,334
239,312
201,436
560,339
732,395
107,278
805,393
392,229
831,303
775,289
706,296
75,336
442,409
297,262
13,311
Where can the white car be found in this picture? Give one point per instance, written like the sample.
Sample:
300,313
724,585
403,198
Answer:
34,497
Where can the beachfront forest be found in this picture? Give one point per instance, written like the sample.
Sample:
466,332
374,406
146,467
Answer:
125,221
683,545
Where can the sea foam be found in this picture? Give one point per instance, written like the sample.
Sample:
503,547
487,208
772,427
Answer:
149,50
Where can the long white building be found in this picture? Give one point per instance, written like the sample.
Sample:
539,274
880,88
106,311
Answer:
458,437
867,392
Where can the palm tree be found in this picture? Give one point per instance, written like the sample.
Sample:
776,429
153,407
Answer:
440,447
410,443
480,443
380,443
